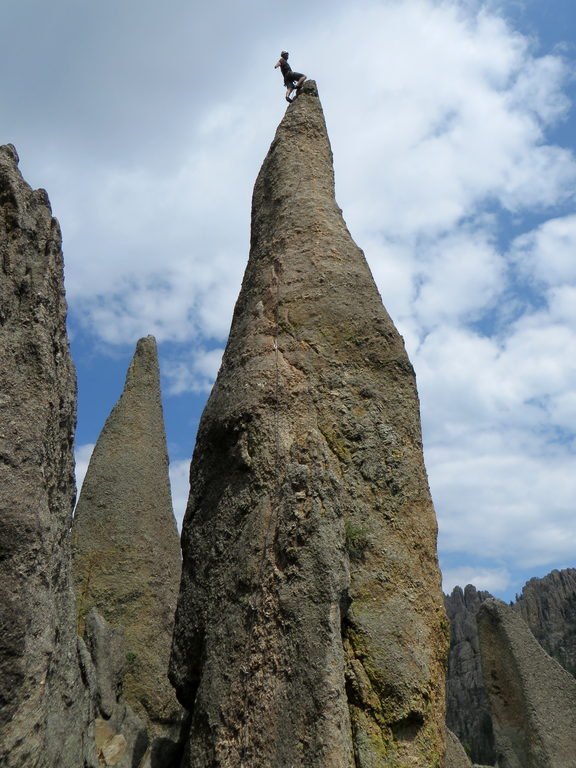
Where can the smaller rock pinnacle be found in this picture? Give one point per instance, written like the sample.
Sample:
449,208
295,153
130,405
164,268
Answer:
126,547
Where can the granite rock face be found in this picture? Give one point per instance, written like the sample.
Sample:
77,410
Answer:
548,606
310,628
45,710
533,699
126,548
467,706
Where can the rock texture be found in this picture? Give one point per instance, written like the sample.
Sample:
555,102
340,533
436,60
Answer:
45,709
456,756
310,629
533,699
548,606
467,706
126,549
120,737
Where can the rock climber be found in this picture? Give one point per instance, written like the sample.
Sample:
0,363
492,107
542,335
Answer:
292,80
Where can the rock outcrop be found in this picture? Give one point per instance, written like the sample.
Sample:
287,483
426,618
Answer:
548,606
310,629
126,548
467,706
45,711
533,699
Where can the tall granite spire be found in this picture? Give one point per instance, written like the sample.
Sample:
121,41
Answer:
310,629
126,548
44,708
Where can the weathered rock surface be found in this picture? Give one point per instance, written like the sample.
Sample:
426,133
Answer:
548,606
533,699
310,629
456,756
467,706
126,548
45,709
121,737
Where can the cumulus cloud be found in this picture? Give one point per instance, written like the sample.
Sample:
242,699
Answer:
194,375
439,115
447,109
492,580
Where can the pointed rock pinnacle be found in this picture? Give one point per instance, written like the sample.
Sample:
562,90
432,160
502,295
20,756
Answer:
44,709
126,548
310,630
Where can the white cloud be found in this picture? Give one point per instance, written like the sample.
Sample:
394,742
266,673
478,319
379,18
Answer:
180,483
197,375
439,116
490,579
446,108
548,253
82,455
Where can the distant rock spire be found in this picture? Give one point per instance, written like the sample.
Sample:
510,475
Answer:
310,629
44,708
467,707
533,699
126,547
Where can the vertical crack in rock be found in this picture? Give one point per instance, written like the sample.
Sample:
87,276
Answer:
126,548
44,708
310,628
533,699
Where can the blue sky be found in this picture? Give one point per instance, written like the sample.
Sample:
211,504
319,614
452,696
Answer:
453,130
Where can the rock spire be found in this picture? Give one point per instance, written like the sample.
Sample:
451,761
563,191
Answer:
44,708
310,628
126,548
533,699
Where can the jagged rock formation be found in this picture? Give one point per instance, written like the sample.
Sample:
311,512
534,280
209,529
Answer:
126,548
467,705
310,629
45,711
533,699
456,756
548,606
